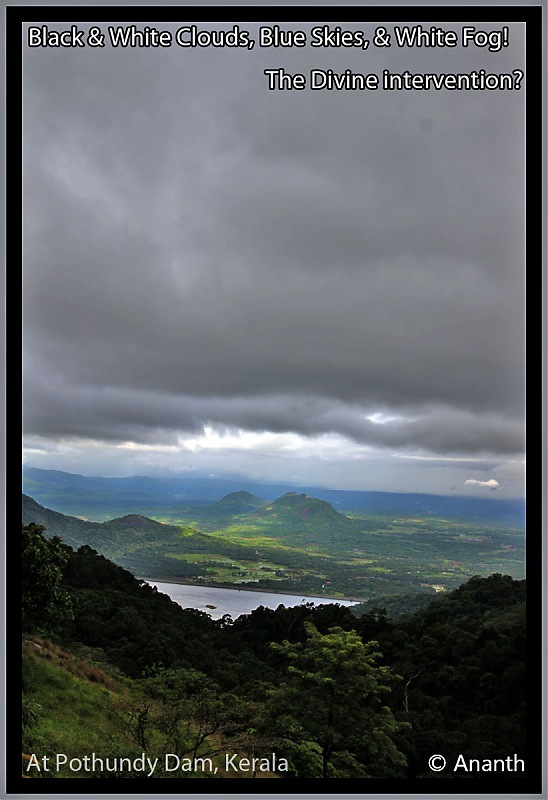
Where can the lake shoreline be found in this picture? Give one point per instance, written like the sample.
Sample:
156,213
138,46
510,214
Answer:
235,588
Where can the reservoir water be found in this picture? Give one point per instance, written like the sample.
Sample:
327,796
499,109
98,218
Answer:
233,601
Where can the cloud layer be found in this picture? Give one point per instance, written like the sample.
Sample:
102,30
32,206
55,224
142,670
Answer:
200,251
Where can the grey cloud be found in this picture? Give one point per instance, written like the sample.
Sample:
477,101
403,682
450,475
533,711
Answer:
199,249
148,416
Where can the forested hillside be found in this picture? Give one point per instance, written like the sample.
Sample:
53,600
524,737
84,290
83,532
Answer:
330,694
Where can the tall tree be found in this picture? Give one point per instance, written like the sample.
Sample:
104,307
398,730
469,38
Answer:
45,602
330,707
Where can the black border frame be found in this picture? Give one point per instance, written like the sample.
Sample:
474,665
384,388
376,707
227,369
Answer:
534,17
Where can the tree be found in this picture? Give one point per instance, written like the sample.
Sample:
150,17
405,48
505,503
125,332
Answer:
191,712
46,604
330,707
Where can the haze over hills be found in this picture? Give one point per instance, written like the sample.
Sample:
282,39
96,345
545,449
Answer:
102,498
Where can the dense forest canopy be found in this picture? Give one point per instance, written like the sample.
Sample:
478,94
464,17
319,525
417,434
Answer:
331,694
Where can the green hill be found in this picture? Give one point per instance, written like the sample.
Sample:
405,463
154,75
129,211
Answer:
123,532
239,503
301,521
301,510
142,545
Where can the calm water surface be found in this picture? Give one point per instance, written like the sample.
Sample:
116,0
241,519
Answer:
233,601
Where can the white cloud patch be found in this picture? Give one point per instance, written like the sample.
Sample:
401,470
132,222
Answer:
490,484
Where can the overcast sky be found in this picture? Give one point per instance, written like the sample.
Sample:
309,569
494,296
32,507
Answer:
317,287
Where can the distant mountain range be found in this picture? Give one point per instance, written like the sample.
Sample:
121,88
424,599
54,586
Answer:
148,547
102,498
292,543
296,514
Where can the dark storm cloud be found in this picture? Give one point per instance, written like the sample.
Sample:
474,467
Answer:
200,250
148,416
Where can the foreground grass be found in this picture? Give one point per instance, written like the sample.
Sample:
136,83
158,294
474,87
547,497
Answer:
72,708
67,708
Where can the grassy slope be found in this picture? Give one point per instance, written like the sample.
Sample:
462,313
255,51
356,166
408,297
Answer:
71,699
74,701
